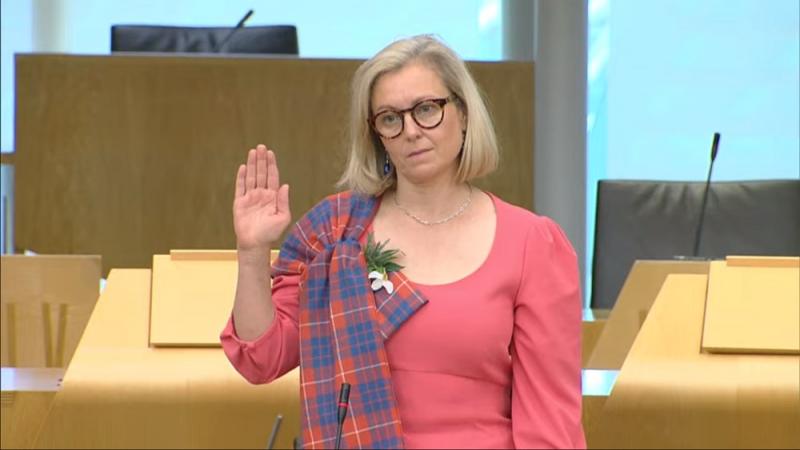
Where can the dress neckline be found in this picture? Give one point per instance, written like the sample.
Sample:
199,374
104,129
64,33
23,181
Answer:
474,273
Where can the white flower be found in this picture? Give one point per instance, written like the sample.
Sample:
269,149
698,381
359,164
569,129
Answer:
381,280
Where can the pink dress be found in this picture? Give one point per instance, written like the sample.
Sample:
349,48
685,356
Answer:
492,361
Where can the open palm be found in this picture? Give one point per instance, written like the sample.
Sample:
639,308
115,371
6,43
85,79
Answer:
260,205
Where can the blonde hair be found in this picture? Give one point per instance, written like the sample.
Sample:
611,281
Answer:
364,170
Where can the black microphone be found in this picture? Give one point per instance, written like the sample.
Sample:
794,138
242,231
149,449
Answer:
699,231
344,401
238,26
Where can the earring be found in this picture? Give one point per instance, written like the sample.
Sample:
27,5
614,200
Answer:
387,165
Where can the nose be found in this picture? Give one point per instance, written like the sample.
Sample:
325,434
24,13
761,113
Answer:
410,127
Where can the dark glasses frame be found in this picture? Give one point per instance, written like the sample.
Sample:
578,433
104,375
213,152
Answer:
402,112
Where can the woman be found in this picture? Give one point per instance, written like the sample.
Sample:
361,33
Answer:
454,316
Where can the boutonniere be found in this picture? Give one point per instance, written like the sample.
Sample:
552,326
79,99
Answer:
380,261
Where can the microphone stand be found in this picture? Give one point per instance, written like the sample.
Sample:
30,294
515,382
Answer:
699,229
274,433
239,25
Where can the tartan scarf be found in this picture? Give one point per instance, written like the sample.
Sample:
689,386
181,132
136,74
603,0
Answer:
343,324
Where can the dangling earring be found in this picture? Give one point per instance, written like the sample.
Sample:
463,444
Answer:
387,165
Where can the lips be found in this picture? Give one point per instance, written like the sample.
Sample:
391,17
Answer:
418,152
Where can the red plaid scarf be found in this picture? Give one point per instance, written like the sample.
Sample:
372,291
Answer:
343,324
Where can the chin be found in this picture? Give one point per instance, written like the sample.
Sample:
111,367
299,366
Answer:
423,174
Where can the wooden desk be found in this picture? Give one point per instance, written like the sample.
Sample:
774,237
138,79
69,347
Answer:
631,308
25,398
669,394
119,392
597,385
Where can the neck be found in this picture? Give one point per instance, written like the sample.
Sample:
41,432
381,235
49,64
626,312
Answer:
434,200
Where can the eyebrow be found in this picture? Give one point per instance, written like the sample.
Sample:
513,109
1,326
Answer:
421,98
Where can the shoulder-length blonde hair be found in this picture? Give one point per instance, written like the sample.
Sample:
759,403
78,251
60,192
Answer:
364,170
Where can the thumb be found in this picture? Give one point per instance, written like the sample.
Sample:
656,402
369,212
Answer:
283,199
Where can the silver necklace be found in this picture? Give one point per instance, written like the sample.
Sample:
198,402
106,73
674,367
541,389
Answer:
422,221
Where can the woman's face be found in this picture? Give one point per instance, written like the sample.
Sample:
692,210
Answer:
419,154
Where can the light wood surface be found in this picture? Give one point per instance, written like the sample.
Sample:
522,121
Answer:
596,387
191,300
669,394
590,334
762,261
202,255
631,308
753,308
192,296
120,393
46,301
25,398
140,151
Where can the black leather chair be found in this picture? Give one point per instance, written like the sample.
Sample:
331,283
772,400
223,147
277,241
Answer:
272,39
658,219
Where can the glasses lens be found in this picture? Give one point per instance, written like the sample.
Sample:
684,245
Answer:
388,123
428,114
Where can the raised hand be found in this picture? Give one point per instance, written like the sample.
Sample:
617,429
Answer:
260,205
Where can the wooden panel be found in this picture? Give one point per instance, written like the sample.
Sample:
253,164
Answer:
120,393
139,153
669,394
192,296
46,302
762,261
590,334
191,301
753,309
630,310
26,396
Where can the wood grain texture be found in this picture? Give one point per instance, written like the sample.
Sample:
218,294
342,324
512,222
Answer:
26,397
130,156
762,261
752,308
590,334
46,301
22,416
670,394
192,297
120,393
630,310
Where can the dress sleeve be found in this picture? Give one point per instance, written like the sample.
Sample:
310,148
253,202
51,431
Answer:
546,343
276,351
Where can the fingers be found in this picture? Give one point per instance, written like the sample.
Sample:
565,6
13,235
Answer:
283,199
261,170
261,166
250,177
240,180
273,177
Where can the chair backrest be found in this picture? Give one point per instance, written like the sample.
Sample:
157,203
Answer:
657,220
46,302
267,39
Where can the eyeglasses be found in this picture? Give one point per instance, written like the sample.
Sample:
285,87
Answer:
428,114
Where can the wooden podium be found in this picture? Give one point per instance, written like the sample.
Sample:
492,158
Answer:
635,299
121,391
716,363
